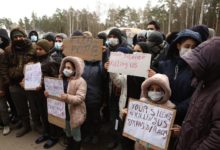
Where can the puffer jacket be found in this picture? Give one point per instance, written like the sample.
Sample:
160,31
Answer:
76,92
201,126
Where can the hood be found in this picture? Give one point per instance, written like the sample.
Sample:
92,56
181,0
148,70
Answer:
117,33
19,30
173,51
162,81
4,39
78,63
204,60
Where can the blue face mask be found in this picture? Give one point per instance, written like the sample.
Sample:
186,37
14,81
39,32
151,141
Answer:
58,45
34,38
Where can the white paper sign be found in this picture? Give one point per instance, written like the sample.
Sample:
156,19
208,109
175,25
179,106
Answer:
32,76
130,64
149,123
54,86
56,108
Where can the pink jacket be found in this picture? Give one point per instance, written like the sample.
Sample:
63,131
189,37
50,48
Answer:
76,92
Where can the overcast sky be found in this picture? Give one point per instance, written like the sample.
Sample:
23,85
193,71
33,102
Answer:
16,9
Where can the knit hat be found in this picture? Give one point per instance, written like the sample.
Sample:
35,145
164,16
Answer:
77,33
61,35
202,30
17,31
49,36
155,38
44,44
87,34
117,33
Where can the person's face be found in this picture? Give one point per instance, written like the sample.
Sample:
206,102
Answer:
59,39
155,88
188,44
111,36
69,66
40,51
151,27
137,48
18,37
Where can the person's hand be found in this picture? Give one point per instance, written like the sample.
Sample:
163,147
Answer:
151,72
124,111
64,97
2,93
46,94
176,130
103,48
106,65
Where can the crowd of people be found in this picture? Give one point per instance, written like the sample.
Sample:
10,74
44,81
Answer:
184,75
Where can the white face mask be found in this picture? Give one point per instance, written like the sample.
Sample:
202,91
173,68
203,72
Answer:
67,72
113,41
58,45
184,51
33,38
155,96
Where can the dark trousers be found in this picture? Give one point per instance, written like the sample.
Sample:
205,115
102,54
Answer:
21,103
93,119
4,115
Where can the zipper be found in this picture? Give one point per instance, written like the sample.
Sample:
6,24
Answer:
176,71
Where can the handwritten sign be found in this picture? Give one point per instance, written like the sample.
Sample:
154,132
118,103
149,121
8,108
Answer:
32,76
83,47
56,108
56,112
130,64
54,86
149,124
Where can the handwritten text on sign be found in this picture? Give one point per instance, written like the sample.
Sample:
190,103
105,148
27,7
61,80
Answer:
131,64
32,76
149,123
56,108
85,48
54,86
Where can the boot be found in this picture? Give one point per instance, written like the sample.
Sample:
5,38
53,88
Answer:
25,129
70,143
76,145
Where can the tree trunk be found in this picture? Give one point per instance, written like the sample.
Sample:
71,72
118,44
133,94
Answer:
201,12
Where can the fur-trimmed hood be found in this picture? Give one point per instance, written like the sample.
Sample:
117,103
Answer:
162,81
78,64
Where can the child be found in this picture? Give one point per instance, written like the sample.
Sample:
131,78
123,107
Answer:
75,88
155,90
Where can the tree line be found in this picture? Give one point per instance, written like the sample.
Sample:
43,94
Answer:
173,15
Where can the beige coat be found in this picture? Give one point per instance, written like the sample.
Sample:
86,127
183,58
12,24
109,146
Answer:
76,92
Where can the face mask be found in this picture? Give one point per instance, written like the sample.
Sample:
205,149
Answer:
155,96
113,41
33,38
58,45
67,72
184,51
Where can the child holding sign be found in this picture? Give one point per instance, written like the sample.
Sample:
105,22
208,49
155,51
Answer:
75,88
155,90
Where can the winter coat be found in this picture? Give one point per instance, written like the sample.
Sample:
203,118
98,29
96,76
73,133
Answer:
180,79
93,75
201,126
163,82
76,92
57,55
14,61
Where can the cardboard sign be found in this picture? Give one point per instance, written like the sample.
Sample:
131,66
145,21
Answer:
54,87
56,112
149,124
32,76
86,48
130,64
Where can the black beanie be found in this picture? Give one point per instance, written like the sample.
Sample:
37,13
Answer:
203,30
49,36
77,33
117,33
144,47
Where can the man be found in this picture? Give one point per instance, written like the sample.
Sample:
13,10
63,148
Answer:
16,56
153,25
57,51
